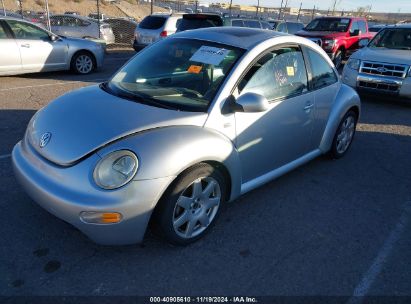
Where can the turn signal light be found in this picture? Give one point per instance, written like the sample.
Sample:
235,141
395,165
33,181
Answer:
94,217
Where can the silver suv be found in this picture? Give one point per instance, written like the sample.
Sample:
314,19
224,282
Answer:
155,27
81,27
383,66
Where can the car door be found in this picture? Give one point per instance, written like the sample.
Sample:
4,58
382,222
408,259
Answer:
325,86
38,52
271,139
10,61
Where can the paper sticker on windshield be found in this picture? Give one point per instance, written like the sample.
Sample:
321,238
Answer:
290,71
209,55
195,69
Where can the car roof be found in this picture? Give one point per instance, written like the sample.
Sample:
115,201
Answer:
404,26
236,36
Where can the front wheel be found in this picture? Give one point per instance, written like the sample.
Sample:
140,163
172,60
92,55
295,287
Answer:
190,206
344,135
82,63
338,58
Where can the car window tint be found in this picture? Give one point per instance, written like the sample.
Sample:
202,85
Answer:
354,27
294,27
362,26
282,27
56,21
322,73
69,21
252,23
266,26
24,30
152,22
3,34
278,74
237,23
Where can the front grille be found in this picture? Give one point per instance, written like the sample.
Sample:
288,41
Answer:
384,69
379,86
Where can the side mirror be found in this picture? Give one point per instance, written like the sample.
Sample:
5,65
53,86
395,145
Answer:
363,42
355,33
54,38
251,103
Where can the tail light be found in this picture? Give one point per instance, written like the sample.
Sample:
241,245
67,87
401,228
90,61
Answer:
163,34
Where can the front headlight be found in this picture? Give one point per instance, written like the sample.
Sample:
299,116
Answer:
116,169
354,64
329,44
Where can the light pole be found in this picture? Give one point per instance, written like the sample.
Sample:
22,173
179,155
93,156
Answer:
4,9
48,15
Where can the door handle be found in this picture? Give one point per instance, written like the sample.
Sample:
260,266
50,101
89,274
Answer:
308,106
25,45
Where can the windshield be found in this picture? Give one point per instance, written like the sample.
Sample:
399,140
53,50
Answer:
180,74
198,21
394,38
329,24
152,22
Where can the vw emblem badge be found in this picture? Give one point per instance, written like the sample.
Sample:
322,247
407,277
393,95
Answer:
44,139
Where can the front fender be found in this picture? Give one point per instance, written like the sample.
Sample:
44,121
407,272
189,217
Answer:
168,151
346,99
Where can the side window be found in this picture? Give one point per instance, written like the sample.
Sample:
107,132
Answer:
24,30
56,21
362,26
282,28
354,27
237,23
69,21
322,73
278,74
3,34
252,23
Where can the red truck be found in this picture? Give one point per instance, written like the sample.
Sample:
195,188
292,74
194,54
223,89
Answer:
338,36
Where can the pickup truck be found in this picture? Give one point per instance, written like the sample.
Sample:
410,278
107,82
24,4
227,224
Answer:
338,36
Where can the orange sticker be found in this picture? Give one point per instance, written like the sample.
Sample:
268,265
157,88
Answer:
195,69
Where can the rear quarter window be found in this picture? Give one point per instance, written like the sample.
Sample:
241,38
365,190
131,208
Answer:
152,22
323,74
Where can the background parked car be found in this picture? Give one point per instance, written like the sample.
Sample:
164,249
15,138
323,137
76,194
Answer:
81,27
338,36
27,48
376,28
155,27
288,27
195,21
384,65
246,22
123,29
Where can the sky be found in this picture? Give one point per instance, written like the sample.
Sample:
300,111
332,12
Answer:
347,5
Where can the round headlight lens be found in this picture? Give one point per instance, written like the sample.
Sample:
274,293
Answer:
116,169
354,64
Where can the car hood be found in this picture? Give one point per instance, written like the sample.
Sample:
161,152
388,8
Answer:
87,119
320,34
384,55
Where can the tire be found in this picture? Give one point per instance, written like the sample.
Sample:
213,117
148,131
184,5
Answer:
344,135
83,63
338,58
183,216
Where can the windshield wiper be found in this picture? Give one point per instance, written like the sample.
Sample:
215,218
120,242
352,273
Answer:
139,97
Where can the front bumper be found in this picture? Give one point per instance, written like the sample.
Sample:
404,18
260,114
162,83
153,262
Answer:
67,191
374,84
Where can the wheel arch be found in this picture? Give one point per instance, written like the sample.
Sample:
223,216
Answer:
93,57
347,99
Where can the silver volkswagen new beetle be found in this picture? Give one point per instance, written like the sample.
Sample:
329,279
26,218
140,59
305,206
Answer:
189,123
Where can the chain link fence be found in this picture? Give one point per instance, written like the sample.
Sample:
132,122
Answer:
114,21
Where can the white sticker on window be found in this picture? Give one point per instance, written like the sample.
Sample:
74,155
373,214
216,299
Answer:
209,55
